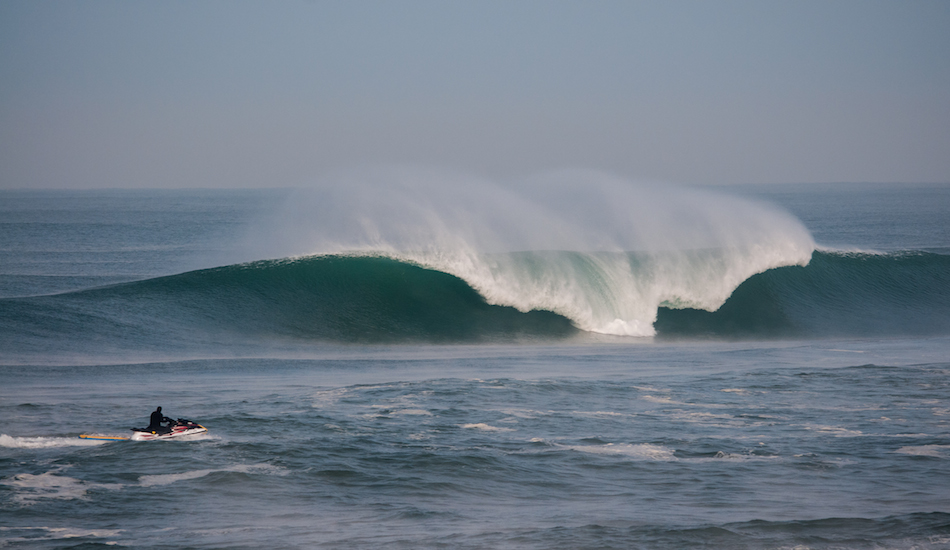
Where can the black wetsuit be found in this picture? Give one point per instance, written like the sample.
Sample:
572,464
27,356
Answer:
155,421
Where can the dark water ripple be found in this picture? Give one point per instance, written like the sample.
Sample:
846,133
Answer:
751,457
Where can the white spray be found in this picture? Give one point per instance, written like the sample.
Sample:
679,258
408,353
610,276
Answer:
602,251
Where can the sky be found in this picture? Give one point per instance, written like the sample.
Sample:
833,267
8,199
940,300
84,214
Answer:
233,94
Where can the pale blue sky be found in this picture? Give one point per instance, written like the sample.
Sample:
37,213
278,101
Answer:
248,94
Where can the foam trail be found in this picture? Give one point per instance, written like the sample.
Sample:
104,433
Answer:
644,451
168,479
46,442
602,251
31,488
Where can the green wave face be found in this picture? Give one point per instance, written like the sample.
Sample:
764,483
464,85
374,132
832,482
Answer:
329,298
361,299
372,299
836,294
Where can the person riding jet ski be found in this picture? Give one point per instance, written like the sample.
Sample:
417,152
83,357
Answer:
155,421
175,428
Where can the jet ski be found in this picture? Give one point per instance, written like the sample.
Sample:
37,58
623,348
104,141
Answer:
175,429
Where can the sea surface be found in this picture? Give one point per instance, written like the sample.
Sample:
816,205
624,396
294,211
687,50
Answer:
627,367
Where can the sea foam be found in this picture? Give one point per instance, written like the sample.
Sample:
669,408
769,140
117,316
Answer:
13,442
168,479
30,488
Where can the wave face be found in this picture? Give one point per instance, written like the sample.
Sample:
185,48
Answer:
382,299
836,294
336,298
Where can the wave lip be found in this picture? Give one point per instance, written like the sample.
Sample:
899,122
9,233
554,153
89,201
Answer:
614,293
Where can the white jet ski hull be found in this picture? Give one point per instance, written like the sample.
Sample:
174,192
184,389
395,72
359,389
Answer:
175,433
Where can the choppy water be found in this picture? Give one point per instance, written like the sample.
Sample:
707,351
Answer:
811,410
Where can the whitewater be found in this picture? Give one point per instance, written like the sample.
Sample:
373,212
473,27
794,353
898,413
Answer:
412,359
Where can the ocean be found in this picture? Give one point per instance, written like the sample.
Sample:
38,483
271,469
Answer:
466,365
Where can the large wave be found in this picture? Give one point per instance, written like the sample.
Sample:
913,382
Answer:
409,255
380,299
600,251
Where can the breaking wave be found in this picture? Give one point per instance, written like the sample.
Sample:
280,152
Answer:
384,299
411,256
